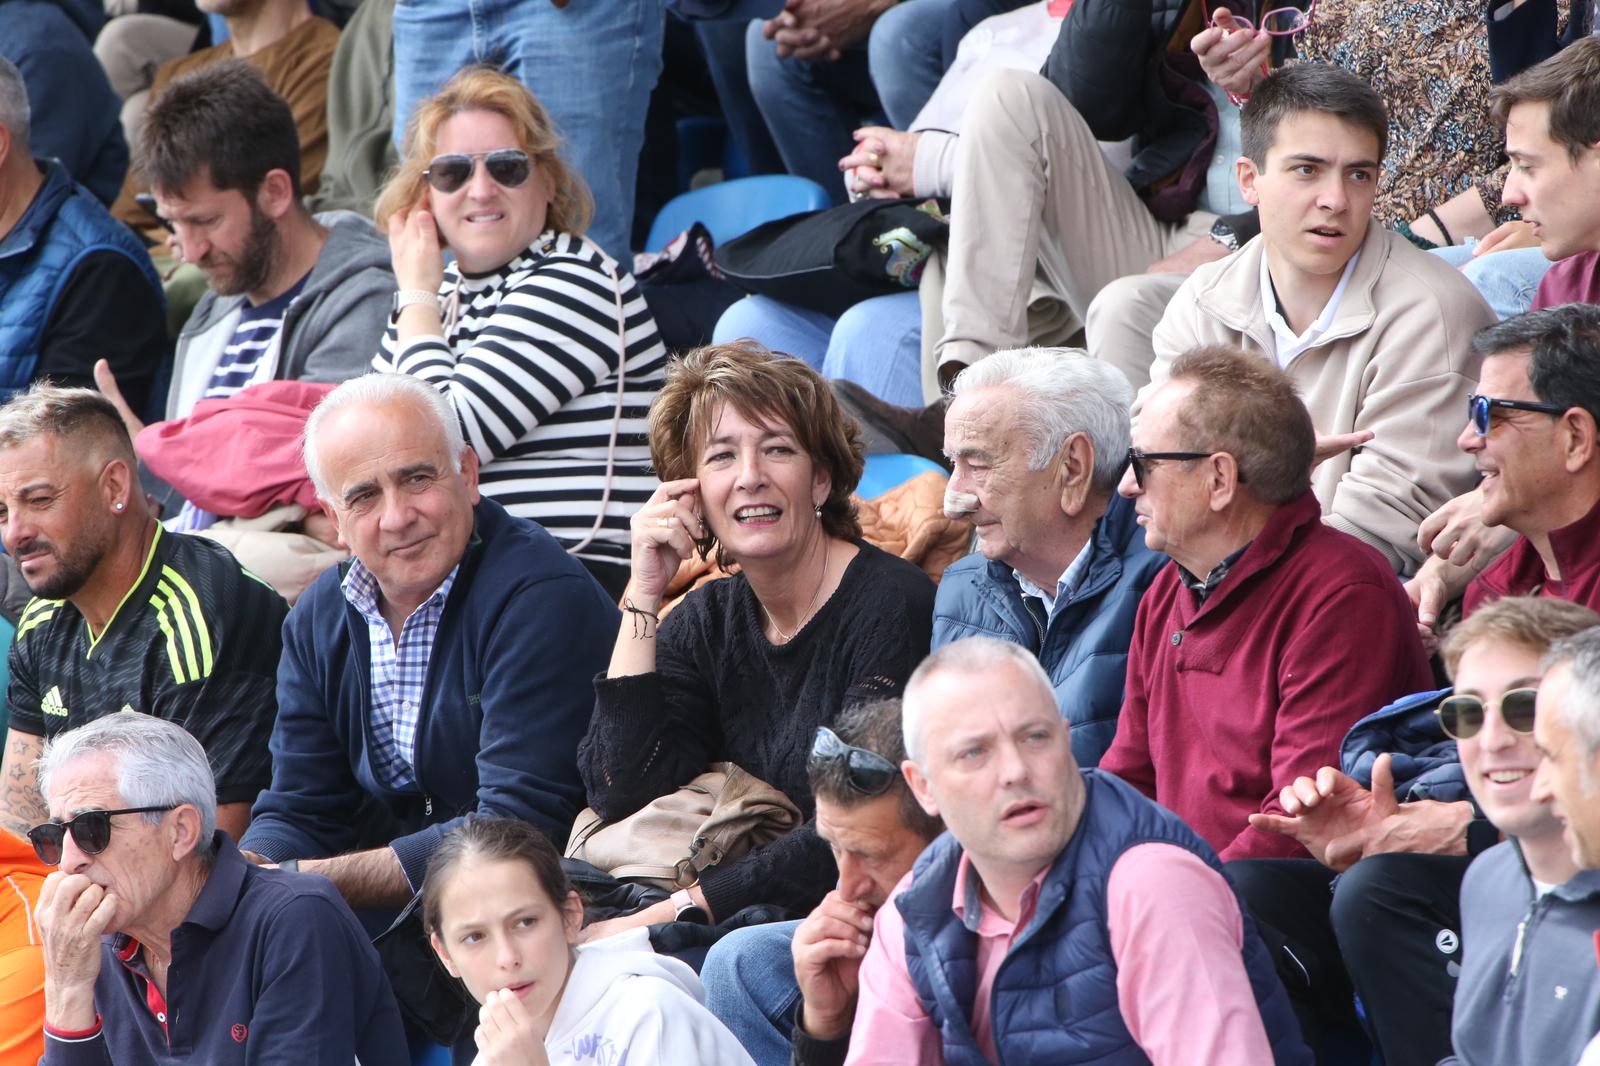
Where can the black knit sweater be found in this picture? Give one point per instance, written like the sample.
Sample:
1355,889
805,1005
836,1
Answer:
722,691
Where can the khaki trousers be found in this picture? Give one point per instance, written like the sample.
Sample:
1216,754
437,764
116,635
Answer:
1123,318
1040,222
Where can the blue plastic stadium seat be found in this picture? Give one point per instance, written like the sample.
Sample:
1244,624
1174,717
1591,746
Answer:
730,208
884,472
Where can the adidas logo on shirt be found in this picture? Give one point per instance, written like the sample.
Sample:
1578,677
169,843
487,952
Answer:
52,705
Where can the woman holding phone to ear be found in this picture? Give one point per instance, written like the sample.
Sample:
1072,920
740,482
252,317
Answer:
542,341
758,464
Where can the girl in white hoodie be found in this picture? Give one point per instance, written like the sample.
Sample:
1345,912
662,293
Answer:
503,918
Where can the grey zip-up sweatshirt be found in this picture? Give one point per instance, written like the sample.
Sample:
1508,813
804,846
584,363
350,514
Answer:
1530,988
330,332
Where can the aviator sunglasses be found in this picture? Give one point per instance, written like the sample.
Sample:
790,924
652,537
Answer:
91,831
1461,717
1478,408
507,167
866,771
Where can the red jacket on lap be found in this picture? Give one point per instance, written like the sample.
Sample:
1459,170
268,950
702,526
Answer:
1229,701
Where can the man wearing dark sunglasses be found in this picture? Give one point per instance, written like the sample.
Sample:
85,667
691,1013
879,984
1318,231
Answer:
1400,912
162,944
1533,428
797,980
1242,659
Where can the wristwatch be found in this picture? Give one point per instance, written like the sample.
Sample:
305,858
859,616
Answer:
685,909
1222,232
406,297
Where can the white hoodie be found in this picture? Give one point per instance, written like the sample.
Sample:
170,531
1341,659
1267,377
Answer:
624,1005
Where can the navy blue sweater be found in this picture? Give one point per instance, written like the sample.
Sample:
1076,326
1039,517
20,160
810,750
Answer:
267,967
507,698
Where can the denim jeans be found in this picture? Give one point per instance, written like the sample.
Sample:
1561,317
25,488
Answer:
905,58
877,343
750,987
722,41
592,65
811,108
1506,279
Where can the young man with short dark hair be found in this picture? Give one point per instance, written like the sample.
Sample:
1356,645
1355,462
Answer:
1374,334
1551,113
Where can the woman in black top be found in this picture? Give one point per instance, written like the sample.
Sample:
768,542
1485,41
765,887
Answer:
759,465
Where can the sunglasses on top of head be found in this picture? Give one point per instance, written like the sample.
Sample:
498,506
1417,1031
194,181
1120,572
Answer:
866,772
1461,716
507,167
91,831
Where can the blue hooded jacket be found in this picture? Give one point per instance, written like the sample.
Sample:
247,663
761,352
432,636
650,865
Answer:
1084,646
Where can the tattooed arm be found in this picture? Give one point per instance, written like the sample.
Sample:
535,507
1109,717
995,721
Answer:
21,805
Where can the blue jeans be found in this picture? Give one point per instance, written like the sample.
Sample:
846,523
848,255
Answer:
811,108
750,987
877,343
1507,279
592,65
904,55
722,41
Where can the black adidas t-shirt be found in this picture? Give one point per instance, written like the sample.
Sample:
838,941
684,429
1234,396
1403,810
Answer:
196,642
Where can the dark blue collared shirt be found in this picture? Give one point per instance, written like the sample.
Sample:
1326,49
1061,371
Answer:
267,967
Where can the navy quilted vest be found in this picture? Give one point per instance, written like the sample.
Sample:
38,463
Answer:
64,224
1055,995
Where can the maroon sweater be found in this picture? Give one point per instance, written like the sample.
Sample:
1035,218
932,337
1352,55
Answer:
1520,571
1229,701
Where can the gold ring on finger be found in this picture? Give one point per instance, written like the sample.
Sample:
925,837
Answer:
875,159
665,523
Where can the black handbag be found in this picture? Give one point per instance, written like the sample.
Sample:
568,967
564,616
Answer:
832,259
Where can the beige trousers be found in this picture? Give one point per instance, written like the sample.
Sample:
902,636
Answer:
1123,318
1040,222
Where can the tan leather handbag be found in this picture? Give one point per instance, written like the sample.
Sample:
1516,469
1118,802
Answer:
714,819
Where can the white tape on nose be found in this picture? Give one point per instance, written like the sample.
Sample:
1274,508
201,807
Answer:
957,503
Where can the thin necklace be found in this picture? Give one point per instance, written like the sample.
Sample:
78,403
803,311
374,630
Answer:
823,580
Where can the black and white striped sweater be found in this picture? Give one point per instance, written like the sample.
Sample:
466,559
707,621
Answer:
530,360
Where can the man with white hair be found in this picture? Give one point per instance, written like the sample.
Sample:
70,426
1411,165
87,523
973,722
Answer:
447,669
1566,727
209,960
1567,730
1063,917
1037,438
75,285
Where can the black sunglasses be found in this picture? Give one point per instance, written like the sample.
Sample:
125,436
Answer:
91,831
509,167
1478,408
866,771
1461,717
1138,460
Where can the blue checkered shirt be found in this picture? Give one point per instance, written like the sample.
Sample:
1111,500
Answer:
398,673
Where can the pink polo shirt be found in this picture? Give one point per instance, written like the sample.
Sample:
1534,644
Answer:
1176,935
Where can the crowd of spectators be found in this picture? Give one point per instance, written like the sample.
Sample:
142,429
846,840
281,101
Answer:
413,642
